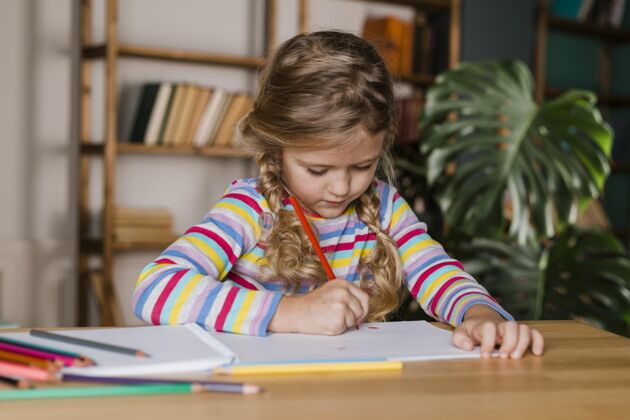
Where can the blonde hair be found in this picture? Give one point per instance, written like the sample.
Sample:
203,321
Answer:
315,90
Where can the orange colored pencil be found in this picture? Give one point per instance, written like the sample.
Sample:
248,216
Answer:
312,238
16,370
8,356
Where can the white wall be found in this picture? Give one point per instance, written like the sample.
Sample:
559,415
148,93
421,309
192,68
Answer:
38,111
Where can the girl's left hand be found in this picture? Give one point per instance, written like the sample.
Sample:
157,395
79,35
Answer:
487,328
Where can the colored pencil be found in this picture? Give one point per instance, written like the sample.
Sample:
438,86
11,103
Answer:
301,368
9,356
88,343
313,239
45,349
102,391
54,357
215,386
26,372
15,382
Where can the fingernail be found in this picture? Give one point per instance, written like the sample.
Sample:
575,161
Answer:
515,355
485,354
503,355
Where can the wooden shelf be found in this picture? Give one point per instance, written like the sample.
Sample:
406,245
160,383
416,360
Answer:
132,148
589,29
610,100
137,51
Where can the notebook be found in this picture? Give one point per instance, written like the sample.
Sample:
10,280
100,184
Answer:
378,341
172,349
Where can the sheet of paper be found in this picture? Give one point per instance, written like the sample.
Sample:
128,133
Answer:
405,341
172,349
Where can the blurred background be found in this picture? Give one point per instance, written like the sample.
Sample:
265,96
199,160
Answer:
96,179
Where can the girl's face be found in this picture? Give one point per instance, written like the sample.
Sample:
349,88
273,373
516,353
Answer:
326,181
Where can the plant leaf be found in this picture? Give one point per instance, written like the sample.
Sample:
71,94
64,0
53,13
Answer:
547,161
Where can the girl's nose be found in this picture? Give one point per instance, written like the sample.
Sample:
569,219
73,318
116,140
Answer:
340,185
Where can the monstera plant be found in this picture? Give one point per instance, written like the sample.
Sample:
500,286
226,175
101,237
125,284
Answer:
511,177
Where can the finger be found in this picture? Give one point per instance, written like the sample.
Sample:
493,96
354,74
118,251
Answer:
538,342
488,333
524,338
363,298
355,306
462,340
509,338
351,319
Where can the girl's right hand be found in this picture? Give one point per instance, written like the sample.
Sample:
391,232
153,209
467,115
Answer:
328,310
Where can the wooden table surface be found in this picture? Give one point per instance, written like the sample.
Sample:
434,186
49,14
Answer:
584,374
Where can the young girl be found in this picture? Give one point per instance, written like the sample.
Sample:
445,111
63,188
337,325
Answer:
321,129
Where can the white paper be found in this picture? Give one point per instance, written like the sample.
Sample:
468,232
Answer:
404,341
172,349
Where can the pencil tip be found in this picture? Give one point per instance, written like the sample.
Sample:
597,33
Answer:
141,354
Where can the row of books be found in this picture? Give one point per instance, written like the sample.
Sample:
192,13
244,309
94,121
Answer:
601,12
410,47
146,225
185,114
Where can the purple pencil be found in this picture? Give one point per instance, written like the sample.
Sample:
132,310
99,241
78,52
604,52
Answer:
216,386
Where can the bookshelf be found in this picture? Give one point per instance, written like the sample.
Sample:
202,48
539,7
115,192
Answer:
96,256
607,39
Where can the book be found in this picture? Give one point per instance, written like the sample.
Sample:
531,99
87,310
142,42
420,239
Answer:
171,349
143,112
388,34
200,107
185,115
157,114
421,48
167,113
174,115
210,117
239,106
408,117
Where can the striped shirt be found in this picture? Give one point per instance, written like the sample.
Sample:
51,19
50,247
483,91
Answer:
211,274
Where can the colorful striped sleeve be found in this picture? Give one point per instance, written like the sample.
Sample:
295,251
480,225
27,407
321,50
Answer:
437,282
187,282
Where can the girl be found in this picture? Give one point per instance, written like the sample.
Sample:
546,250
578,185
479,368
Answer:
321,128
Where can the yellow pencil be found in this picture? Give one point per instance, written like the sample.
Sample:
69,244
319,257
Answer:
297,368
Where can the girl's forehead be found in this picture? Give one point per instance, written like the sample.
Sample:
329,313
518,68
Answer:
364,148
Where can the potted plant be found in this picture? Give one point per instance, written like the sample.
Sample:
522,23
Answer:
510,178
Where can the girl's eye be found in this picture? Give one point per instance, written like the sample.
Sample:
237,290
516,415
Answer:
316,173
363,168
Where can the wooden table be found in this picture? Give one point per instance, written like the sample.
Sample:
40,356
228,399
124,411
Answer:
584,374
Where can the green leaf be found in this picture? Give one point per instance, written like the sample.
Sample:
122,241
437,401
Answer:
548,161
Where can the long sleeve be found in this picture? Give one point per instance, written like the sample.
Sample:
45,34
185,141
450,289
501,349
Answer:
437,282
189,281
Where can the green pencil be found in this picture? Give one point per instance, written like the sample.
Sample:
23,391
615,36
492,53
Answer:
100,391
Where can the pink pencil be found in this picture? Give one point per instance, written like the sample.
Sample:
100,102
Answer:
66,360
15,370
